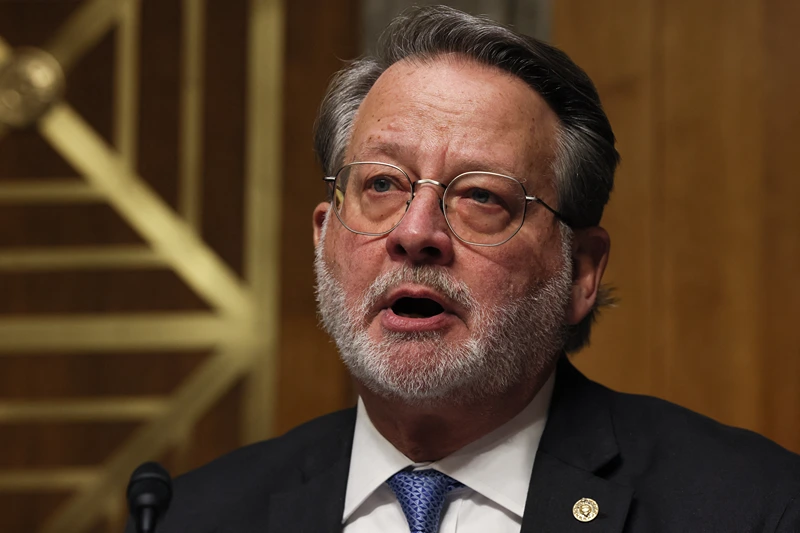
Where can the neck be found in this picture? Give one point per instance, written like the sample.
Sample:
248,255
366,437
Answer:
432,432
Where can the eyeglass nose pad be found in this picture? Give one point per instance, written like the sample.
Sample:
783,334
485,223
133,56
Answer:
441,203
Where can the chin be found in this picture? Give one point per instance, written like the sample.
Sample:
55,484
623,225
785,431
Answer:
422,369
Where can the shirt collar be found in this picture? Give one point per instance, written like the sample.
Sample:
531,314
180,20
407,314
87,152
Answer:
498,465
373,460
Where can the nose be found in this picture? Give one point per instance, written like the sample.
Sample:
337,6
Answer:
423,236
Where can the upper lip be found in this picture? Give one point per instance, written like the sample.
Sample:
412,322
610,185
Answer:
416,291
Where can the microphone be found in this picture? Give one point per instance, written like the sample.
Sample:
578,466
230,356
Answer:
149,494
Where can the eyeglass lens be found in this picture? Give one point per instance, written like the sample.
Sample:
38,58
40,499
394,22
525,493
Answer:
480,208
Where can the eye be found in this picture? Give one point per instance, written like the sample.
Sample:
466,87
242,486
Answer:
381,184
482,196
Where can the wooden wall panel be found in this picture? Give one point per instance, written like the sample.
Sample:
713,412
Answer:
592,32
703,220
91,87
781,226
170,88
712,162
56,376
61,225
225,116
28,445
312,380
126,96
34,505
159,89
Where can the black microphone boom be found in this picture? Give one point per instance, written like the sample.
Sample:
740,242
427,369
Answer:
149,494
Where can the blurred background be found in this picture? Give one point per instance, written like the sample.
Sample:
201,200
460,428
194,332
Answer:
156,186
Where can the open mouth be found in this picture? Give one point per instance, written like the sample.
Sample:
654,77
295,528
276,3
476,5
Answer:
416,307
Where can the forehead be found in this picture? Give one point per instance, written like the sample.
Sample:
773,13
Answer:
450,112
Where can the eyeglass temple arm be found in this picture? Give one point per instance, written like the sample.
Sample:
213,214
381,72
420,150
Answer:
330,180
541,202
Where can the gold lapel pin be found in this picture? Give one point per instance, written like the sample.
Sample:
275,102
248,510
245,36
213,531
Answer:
585,510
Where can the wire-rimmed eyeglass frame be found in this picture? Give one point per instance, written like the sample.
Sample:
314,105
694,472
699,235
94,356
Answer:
413,191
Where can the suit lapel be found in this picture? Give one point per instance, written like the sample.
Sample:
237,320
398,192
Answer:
314,507
577,446
315,504
556,487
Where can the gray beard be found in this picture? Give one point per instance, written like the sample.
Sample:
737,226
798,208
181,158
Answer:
509,345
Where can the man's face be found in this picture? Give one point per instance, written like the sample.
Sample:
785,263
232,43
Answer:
417,313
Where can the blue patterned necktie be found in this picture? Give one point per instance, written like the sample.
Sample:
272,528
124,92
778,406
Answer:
421,495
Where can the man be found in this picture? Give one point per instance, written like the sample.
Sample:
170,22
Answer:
458,257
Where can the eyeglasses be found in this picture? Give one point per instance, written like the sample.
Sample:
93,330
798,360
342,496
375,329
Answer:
481,208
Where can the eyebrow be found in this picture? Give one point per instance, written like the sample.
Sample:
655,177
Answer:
388,149
397,152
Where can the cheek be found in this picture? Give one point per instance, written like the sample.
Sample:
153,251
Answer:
492,280
354,261
508,274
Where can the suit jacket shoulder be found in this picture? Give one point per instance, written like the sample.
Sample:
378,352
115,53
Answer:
233,493
649,428
655,466
670,452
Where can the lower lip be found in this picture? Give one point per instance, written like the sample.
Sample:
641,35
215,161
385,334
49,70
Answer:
394,322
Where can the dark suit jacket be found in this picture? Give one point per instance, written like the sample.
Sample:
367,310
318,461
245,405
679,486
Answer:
651,467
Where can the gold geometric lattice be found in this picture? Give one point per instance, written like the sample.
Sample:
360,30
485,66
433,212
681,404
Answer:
241,326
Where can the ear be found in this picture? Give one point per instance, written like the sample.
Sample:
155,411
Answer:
590,248
320,212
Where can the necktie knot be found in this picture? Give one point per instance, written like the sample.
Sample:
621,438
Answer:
421,494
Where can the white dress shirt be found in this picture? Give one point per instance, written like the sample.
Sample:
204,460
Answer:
495,470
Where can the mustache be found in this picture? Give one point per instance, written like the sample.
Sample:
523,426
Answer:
435,278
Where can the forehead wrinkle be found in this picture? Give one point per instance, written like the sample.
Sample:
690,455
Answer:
441,124
434,159
433,154
377,147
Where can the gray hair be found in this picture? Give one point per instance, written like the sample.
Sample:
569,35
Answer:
585,155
